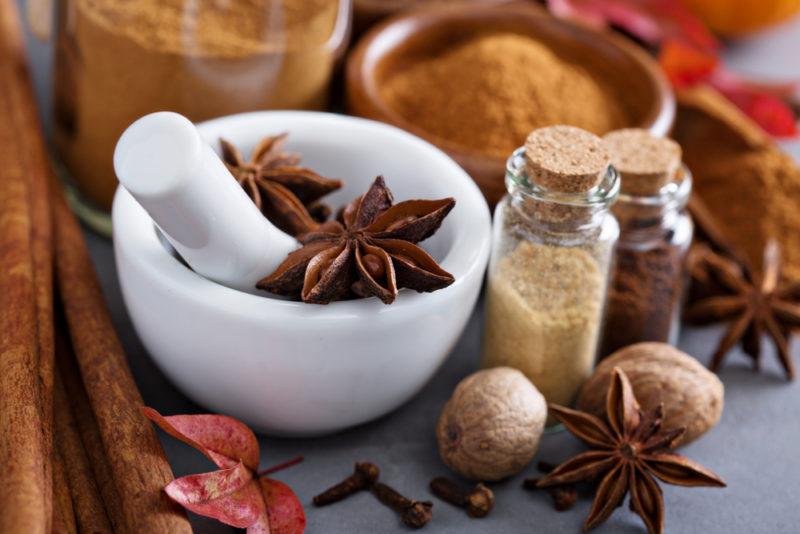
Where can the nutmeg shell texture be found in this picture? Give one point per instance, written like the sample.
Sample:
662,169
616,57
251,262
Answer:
491,427
693,396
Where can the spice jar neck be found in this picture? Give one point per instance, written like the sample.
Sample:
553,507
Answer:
555,211
643,217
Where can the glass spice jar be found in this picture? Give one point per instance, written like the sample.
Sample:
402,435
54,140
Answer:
118,60
645,295
552,247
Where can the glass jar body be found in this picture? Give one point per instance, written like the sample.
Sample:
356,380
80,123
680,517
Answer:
648,279
546,290
116,61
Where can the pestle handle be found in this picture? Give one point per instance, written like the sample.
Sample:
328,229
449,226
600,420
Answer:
162,160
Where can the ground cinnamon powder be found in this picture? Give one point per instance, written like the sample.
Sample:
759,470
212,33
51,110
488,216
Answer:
488,92
749,184
119,60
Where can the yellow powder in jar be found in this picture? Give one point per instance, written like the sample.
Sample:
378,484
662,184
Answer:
118,60
543,315
488,92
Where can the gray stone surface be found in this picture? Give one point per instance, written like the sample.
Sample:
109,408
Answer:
754,447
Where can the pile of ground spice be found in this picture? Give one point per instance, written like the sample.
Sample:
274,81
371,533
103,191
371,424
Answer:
117,61
543,309
750,185
489,91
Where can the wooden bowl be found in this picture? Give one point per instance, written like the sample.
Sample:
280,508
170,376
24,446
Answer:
628,71
368,12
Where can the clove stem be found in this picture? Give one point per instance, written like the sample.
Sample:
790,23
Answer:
478,501
564,496
414,514
364,475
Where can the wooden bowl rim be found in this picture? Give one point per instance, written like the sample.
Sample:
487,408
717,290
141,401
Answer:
385,8
363,94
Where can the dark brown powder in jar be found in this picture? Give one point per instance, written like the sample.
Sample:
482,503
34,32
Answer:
647,281
643,296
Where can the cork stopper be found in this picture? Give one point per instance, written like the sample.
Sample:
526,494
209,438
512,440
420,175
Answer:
646,163
566,159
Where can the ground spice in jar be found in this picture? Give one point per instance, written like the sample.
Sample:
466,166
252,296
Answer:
550,259
644,296
489,91
749,184
647,280
116,61
545,303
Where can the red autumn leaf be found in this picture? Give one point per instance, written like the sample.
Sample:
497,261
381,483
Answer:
284,510
685,65
652,21
765,108
227,495
224,440
237,494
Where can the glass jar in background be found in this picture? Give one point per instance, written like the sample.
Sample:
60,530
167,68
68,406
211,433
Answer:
548,275
118,60
646,291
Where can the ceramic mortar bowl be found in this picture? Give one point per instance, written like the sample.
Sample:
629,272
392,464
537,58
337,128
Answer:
301,369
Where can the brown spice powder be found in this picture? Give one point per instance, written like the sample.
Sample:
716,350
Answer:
117,61
748,183
489,91
643,296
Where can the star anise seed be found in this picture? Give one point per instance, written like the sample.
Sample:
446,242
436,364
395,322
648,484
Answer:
751,304
286,193
629,454
370,251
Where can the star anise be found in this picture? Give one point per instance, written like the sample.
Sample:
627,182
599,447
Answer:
753,304
630,453
286,193
371,252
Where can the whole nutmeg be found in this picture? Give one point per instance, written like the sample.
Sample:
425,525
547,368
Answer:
491,426
692,395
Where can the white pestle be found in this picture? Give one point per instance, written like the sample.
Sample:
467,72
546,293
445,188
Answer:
162,160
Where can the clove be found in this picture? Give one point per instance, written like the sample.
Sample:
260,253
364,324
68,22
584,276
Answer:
478,501
364,475
545,467
415,514
564,496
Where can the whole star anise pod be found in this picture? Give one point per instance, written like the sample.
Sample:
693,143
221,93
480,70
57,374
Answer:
371,252
753,304
630,453
286,193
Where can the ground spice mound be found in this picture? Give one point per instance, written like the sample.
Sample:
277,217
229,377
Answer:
543,304
488,92
749,184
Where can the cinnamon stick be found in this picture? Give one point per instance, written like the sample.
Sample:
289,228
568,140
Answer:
23,492
90,513
37,168
92,443
138,466
63,512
